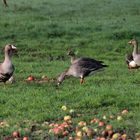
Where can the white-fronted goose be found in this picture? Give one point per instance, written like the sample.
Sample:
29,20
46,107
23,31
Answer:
7,68
81,68
135,53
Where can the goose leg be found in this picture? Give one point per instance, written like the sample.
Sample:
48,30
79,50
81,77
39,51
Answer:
5,3
82,80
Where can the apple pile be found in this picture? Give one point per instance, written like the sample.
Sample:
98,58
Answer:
96,128
69,128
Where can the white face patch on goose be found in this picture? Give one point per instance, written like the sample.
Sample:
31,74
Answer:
13,47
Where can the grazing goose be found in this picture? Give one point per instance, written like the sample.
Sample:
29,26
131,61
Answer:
7,68
81,68
135,54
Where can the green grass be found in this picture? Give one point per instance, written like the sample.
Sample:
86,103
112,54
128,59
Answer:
95,28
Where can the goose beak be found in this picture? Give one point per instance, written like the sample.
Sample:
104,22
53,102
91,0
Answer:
14,48
129,42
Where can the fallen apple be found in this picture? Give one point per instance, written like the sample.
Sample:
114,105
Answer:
124,112
90,132
64,108
124,137
85,129
104,133
79,134
70,138
57,131
72,111
109,127
30,78
104,117
82,123
102,138
111,117
67,118
44,77
95,130
116,136
95,120
16,134
110,133
101,123
77,138
65,125
25,138
119,118
137,136
65,133
51,124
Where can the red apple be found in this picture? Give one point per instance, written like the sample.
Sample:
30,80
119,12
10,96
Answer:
16,134
90,132
104,133
70,138
25,138
101,123
30,78
110,133
95,120
77,138
111,117
124,112
51,124
65,133
57,131
102,138
109,127
82,123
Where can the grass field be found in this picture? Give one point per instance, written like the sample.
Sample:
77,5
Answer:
43,31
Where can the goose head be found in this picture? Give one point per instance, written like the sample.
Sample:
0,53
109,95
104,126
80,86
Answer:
70,53
10,50
133,42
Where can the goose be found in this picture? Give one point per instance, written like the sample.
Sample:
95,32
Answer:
81,68
135,53
7,68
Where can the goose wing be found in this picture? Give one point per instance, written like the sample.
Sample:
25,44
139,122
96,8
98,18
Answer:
128,58
4,76
90,64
